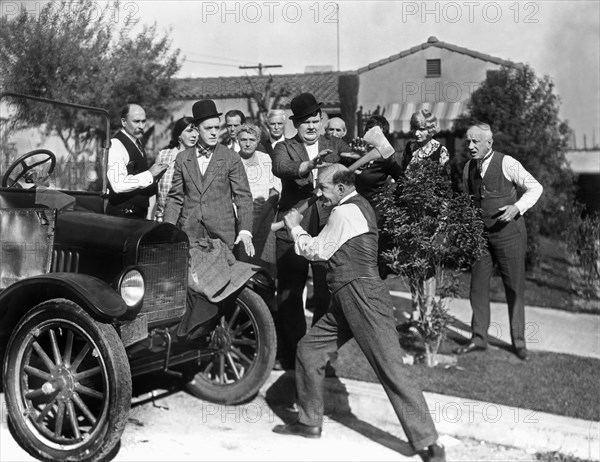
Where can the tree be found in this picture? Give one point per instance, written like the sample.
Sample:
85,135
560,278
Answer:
522,110
265,100
74,52
428,228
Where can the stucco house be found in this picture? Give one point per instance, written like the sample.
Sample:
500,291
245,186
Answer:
436,75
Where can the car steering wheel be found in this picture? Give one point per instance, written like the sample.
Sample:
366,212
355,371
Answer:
50,157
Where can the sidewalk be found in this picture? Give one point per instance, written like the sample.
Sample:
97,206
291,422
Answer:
546,329
533,431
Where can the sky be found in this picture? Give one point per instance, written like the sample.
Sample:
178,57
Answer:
557,38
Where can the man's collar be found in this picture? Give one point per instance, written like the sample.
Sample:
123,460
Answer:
352,194
273,140
131,137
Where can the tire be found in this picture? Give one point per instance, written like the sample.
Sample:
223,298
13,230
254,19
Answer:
67,384
240,354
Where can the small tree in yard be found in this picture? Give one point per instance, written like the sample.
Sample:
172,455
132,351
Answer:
427,227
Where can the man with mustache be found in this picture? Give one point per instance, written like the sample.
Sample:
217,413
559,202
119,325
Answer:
131,183
493,179
295,161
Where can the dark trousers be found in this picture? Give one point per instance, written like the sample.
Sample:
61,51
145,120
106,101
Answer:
507,247
290,323
362,309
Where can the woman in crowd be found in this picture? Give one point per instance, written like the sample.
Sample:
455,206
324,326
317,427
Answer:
423,147
184,135
423,126
265,188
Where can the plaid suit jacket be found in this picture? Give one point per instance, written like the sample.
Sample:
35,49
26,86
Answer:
202,205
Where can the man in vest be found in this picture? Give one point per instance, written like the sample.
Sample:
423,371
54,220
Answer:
492,179
131,183
361,308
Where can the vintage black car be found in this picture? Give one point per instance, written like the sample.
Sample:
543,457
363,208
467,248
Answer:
89,301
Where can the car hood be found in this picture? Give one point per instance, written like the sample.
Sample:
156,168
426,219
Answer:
111,234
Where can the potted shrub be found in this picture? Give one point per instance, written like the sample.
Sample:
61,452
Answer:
429,233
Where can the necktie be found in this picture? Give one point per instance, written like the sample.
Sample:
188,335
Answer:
481,161
138,143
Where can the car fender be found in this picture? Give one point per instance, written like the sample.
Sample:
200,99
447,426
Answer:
95,296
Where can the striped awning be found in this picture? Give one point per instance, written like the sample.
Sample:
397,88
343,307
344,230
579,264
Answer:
398,114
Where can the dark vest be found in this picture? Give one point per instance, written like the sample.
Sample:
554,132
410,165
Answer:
492,191
357,257
133,203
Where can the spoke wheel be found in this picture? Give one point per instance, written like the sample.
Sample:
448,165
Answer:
240,354
67,384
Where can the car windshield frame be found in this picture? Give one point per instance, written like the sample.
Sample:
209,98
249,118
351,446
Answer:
103,141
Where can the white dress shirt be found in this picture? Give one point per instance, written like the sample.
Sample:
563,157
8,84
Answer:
514,172
120,180
345,222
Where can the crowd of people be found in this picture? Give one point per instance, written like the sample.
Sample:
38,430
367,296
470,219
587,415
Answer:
234,189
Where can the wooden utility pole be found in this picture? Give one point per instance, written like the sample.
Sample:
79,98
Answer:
260,67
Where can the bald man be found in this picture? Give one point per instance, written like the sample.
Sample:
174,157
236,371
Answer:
361,308
131,183
336,127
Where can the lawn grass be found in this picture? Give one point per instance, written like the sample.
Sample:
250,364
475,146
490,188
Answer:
549,382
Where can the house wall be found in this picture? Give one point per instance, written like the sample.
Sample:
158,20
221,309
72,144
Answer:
404,80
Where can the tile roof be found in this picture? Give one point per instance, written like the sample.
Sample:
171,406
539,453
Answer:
434,42
324,85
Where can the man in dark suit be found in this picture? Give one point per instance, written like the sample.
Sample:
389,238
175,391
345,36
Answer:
205,179
361,309
493,179
295,161
131,183
276,127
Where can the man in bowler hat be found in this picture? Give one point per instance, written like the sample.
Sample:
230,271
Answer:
295,161
205,180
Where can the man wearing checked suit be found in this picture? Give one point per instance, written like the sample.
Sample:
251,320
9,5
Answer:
295,161
493,179
205,180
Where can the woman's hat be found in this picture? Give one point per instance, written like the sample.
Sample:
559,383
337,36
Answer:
304,105
204,109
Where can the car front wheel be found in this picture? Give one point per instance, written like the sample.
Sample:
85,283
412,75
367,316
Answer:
67,384
240,354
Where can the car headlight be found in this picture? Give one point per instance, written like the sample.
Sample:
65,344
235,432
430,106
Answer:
131,287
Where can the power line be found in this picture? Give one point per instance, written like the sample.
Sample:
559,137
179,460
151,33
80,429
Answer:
209,63
260,67
214,57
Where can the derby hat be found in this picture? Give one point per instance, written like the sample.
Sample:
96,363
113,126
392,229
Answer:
204,109
304,105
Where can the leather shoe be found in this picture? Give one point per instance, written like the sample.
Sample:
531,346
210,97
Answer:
468,348
433,453
521,353
298,429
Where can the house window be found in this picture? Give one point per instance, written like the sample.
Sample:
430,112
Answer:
434,68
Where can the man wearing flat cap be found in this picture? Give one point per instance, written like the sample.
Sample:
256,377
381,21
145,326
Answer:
295,161
206,178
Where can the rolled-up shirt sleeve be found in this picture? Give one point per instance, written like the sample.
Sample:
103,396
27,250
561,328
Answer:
524,181
345,222
120,180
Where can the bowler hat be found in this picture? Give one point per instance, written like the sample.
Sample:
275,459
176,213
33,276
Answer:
204,109
304,105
